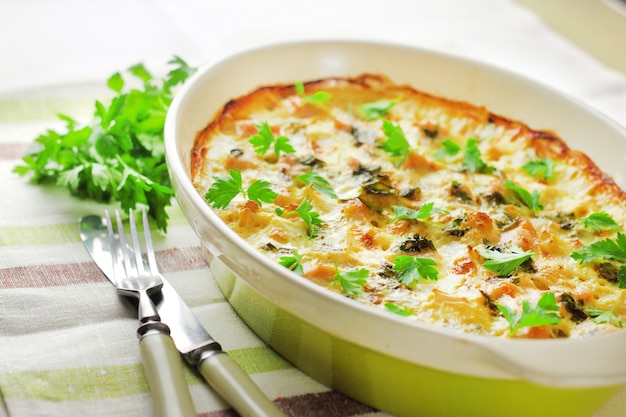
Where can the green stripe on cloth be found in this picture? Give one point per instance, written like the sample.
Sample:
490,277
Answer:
78,384
58,234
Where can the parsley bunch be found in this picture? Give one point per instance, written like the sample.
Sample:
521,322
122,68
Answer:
119,155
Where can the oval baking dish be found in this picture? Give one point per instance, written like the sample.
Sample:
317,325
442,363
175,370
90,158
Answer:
401,367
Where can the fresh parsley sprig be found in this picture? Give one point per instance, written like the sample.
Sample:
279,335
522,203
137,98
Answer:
377,109
601,220
119,155
401,311
544,312
530,200
266,139
318,182
396,144
608,249
319,98
504,263
293,262
309,216
540,168
449,149
609,317
472,159
402,212
224,190
411,269
351,282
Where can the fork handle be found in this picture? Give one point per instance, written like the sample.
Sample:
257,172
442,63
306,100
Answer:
235,386
164,372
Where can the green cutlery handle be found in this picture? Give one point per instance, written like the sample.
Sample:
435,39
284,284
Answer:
164,371
234,385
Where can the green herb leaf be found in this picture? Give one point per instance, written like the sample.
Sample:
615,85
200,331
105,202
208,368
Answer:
530,200
224,190
423,213
609,317
545,312
310,217
378,109
411,269
119,155
614,250
396,144
504,263
449,149
351,282
293,262
401,311
318,183
541,168
621,277
601,220
319,98
472,159
265,139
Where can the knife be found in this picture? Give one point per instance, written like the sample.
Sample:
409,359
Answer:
191,339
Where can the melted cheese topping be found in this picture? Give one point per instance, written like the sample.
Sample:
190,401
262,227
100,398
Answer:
475,210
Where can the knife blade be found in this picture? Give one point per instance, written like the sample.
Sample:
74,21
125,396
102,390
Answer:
190,337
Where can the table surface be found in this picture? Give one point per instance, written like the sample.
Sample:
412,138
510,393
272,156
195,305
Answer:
67,343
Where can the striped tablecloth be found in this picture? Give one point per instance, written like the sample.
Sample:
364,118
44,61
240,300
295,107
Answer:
67,341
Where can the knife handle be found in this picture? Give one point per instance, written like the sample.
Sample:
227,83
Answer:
235,386
164,371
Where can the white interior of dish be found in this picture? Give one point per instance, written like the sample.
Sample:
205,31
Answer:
555,362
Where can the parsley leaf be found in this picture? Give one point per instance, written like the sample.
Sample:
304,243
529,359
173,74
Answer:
401,311
293,262
450,148
310,217
412,268
546,311
504,263
530,200
224,190
377,109
621,277
119,155
472,159
396,144
541,168
609,317
601,220
614,250
423,213
318,183
351,282
319,98
265,139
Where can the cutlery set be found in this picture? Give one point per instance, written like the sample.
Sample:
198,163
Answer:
168,329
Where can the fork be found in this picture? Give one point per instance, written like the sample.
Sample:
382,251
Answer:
133,278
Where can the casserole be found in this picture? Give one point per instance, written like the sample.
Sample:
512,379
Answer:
385,361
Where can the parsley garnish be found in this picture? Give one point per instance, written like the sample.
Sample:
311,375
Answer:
412,268
450,148
423,213
224,190
310,217
396,144
293,262
504,263
530,200
614,250
546,311
609,317
472,159
621,277
318,183
541,168
351,282
404,311
119,155
265,139
378,109
319,98
601,220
